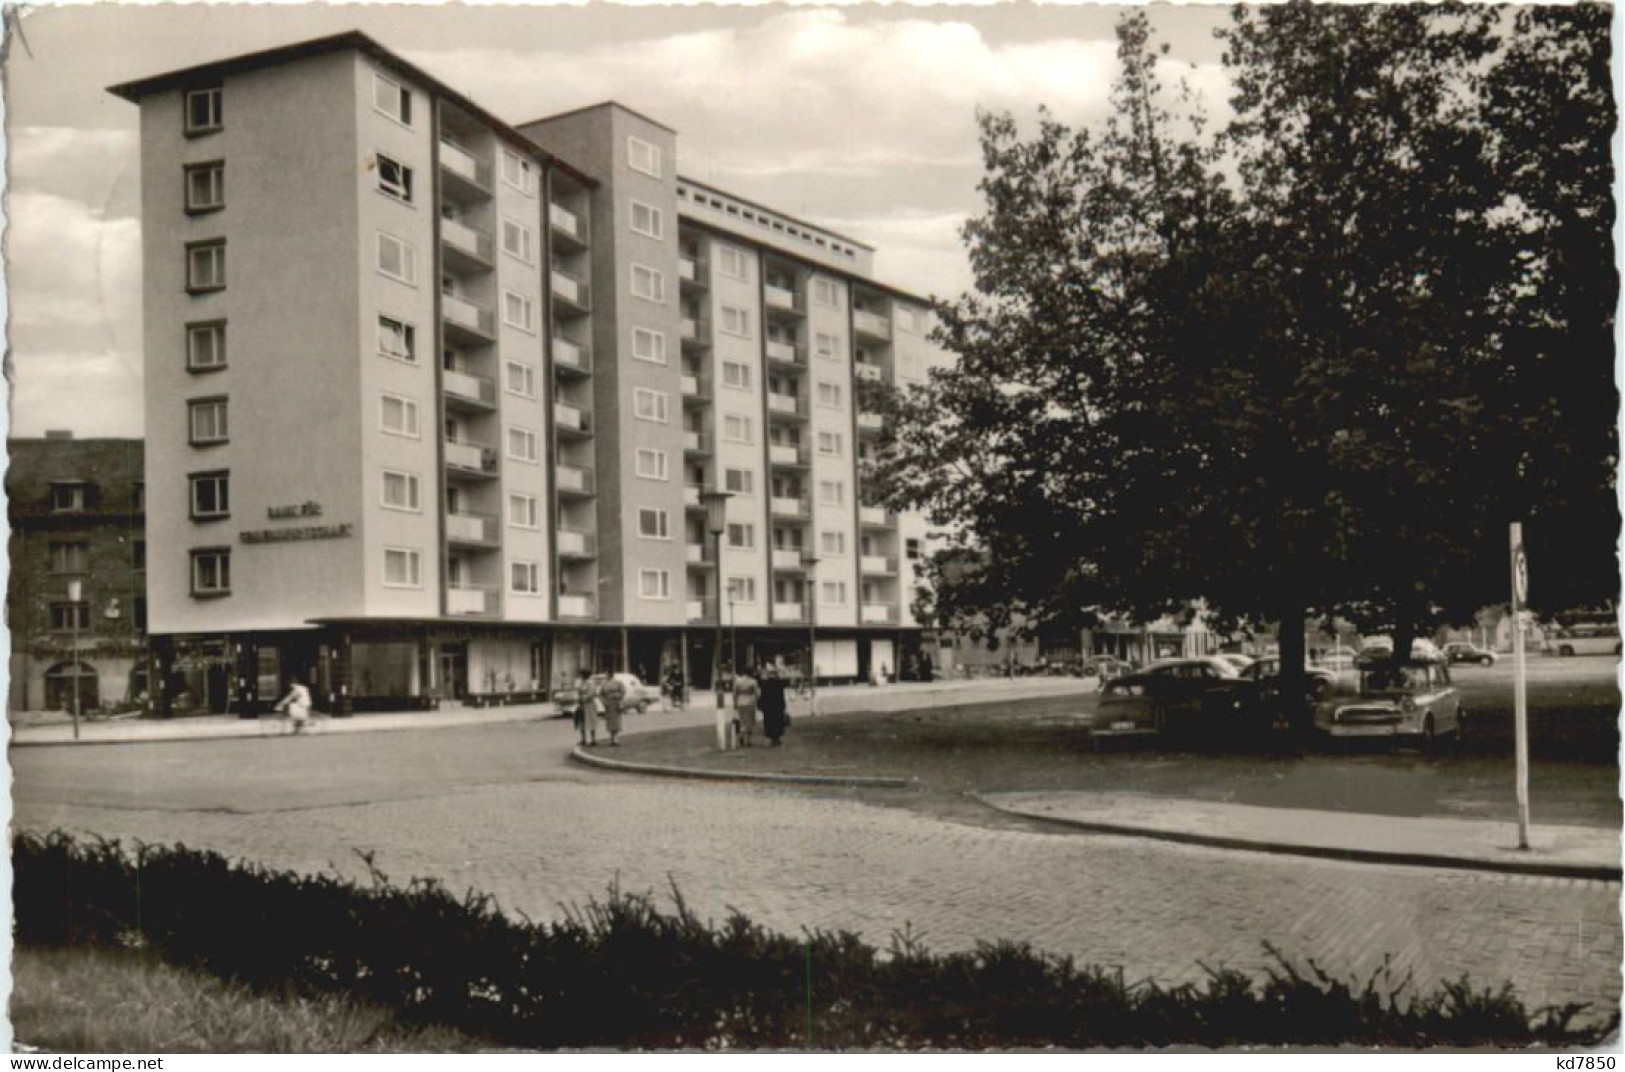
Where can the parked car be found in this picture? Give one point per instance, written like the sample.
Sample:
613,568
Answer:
1412,701
1236,659
1383,647
1461,651
1192,693
1264,672
1105,666
1126,709
1338,657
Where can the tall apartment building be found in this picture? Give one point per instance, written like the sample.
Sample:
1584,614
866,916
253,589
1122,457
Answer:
431,399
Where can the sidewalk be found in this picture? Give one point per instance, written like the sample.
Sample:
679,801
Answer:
842,699
1568,851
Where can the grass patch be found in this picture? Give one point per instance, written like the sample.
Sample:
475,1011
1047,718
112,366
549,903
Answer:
88,1000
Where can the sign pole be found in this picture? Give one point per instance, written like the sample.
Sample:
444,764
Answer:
74,593
1520,693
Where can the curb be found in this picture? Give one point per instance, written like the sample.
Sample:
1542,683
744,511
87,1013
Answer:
272,734
1601,872
582,756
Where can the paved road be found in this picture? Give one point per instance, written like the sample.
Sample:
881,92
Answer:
498,808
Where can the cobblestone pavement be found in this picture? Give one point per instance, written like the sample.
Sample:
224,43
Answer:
497,809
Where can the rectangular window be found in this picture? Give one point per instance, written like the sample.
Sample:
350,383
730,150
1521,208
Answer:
829,394
651,464
398,416
67,498
648,405
835,593
522,513
70,616
736,374
211,495
397,339
653,524
211,572
69,556
648,284
206,420
394,178
518,311
736,429
911,549
392,98
518,241
823,291
649,345
732,263
739,481
741,534
525,578
735,321
206,346
647,220
203,113
138,555
521,444
520,380
829,442
205,186
741,589
825,345
401,491
832,543
397,259
654,584
403,568
206,266
517,172
643,156
831,492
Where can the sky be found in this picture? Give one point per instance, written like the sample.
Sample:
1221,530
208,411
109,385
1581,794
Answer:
859,118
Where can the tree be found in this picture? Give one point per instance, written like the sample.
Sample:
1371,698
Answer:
1294,369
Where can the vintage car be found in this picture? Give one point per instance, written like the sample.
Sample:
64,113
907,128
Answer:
1184,698
1126,708
1460,651
1411,701
1263,674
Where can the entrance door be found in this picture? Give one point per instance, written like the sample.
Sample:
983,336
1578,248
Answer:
454,671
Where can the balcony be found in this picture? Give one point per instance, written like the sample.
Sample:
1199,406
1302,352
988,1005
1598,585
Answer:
575,605
789,612
464,390
870,422
466,318
464,598
471,459
788,558
466,178
693,273
780,299
467,249
572,293
574,480
576,543
871,324
874,516
784,405
568,230
700,554
571,356
696,443
696,387
877,564
691,495
785,454
696,331
878,613
571,421
784,506
701,610
471,529
785,353
870,372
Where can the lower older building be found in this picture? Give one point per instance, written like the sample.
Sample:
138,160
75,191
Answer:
76,605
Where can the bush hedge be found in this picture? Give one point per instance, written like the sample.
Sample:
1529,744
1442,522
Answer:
622,973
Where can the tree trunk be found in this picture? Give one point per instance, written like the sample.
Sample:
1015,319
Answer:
1293,642
1404,635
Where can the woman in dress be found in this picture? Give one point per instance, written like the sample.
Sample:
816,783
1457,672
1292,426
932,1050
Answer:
775,706
745,693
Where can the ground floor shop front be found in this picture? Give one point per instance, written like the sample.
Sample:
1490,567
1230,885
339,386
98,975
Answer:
372,666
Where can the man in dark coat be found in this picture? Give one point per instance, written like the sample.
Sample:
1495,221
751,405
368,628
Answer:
775,708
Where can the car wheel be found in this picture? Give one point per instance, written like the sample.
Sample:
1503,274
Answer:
1488,660
1565,650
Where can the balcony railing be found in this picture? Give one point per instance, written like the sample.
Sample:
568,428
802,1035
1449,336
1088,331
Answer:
881,564
871,324
789,405
575,605
693,270
696,443
465,598
878,612
470,457
785,352
468,387
789,612
571,355
781,298
569,289
696,386
788,558
467,240
571,418
691,494
870,422
465,527
576,543
566,223
784,454
696,330
574,479
701,609
700,554
874,515
784,506
460,311
463,164
870,372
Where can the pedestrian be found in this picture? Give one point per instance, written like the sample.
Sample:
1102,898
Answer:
775,706
612,693
745,693
927,671
586,721
674,686
297,705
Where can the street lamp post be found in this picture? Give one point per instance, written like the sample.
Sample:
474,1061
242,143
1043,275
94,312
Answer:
74,592
716,520
811,563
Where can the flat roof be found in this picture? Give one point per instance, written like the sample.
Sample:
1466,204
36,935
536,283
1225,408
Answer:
601,104
855,278
769,208
317,46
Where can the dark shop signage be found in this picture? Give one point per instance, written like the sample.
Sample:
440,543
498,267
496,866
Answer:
307,532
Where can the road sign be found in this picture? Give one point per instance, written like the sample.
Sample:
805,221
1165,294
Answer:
1520,575
1520,690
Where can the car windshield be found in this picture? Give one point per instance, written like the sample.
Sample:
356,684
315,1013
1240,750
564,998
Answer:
1394,679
